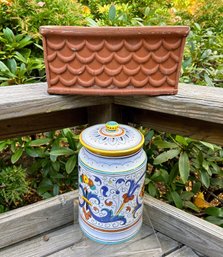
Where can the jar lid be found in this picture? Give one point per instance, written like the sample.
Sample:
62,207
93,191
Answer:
112,139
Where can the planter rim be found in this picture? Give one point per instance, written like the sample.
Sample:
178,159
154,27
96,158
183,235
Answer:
115,31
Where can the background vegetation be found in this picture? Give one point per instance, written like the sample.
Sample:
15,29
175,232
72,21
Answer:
181,171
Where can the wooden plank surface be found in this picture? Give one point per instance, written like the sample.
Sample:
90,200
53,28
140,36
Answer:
37,218
31,99
197,129
183,252
29,125
196,102
69,241
185,228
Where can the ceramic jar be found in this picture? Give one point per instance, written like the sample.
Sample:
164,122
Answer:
112,167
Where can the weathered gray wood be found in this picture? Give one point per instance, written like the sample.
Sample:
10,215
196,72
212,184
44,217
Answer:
37,218
29,125
45,244
104,113
197,129
185,228
31,99
69,241
134,246
183,252
203,103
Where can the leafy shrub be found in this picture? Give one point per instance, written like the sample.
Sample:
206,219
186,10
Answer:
13,186
50,160
180,168
27,16
17,65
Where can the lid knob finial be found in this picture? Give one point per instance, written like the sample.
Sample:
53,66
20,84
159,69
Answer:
111,126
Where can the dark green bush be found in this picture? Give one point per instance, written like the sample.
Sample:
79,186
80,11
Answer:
13,186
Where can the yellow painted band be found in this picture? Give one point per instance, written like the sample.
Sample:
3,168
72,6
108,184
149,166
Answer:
113,153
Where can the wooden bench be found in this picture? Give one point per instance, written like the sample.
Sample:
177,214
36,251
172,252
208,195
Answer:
45,228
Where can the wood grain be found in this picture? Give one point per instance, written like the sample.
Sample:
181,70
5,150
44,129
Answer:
29,125
196,102
37,218
197,129
31,99
69,241
185,228
183,252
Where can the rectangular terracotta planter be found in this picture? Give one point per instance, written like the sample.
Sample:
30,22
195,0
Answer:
113,60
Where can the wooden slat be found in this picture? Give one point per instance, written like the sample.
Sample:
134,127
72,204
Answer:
185,228
197,129
69,241
104,113
37,218
29,125
196,102
31,99
183,252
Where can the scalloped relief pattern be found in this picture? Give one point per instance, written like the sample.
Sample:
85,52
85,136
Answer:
113,63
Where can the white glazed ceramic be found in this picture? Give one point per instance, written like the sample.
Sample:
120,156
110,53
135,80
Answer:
111,187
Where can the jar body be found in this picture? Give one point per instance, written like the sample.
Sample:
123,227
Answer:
111,195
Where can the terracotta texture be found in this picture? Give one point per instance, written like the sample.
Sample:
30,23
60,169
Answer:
113,60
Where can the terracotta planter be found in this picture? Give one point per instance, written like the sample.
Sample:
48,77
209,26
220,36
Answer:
113,60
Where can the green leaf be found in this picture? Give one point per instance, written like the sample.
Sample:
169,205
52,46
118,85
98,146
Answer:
56,189
190,205
164,174
56,166
181,140
184,166
215,220
165,156
186,195
16,156
69,135
205,179
35,152
91,22
112,13
3,145
173,173
208,80
3,67
149,136
9,35
208,145
217,182
25,41
177,200
196,187
39,142
62,151
45,184
164,144
214,211
152,189
70,164
11,63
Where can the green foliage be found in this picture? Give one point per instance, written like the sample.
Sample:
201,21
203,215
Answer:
51,160
203,62
13,186
28,16
215,215
182,167
17,66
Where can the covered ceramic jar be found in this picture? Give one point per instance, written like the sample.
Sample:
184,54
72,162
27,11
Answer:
112,167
